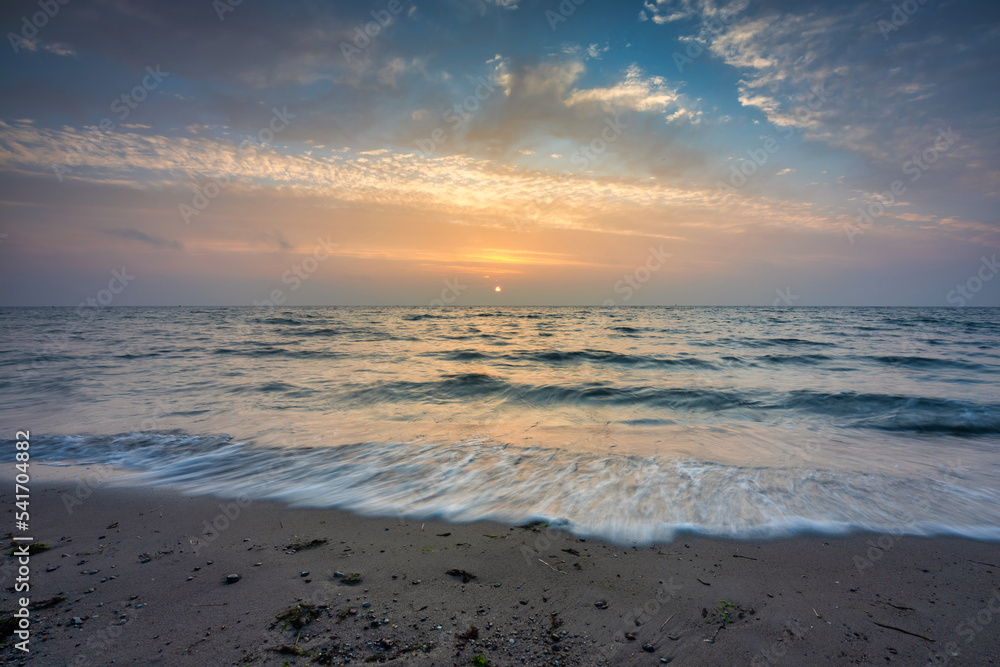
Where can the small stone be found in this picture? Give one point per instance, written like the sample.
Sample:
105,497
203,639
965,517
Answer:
232,578
52,568
601,604
303,574
648,648
77,620
496,585
190,578
366,605
629,636
338,575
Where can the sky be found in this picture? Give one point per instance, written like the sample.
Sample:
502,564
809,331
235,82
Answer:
500,152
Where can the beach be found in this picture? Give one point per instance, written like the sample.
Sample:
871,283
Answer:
138,576
500,333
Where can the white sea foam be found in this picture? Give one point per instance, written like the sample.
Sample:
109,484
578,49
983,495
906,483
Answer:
625,499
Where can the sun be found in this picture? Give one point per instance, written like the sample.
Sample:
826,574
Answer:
496,289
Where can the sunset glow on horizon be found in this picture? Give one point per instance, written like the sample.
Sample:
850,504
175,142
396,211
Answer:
376,153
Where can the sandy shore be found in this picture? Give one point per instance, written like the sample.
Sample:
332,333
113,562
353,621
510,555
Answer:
138,576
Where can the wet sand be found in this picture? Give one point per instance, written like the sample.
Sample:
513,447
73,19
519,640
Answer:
139,576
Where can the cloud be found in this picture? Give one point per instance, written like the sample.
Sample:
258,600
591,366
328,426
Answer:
485,191
829,72
546,108
396,67
669,11
597,52
636,92
143,237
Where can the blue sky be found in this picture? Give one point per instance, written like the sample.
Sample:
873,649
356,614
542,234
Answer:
840,153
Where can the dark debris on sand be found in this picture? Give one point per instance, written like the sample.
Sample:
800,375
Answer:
320,635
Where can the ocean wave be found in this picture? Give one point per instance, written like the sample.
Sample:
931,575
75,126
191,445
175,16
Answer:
424,316
288,321
557,357
624,499
770,342
898,413
927,362
272,351
885,412
463,386
805,359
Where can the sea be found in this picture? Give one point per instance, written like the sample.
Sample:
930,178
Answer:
632,424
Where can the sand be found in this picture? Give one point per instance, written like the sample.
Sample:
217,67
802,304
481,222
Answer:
143,574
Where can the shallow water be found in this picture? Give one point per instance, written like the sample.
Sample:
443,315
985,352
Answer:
625,423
